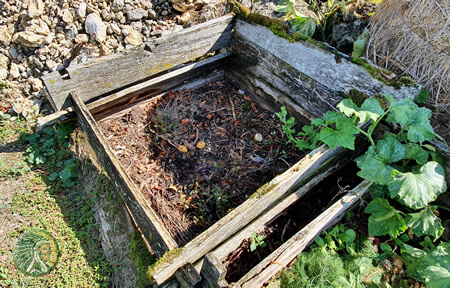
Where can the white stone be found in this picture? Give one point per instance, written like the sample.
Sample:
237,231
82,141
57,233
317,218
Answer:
66,16
81,11
117,5
3,74
184,5
95,27
4,61
28,39
81,38
40,28
14,72
137,14
115,28
5,36
36,84
26,107
134,38
35,8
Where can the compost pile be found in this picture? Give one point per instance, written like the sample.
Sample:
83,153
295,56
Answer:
197,153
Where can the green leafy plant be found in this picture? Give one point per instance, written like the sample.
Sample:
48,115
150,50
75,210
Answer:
307,25
407,173
257,241
337,238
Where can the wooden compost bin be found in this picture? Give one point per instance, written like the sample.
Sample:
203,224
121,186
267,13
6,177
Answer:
302,76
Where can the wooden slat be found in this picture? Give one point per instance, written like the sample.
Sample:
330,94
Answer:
313,77
149,223
134,94
106,74
265,198
287,252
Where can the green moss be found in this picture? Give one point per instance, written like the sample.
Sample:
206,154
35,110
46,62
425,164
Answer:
142,258
167,257
357,96
263,190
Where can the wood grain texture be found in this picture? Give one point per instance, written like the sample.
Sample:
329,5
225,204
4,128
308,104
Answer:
286,253
106,74
149,223
262,200
273,76
137,93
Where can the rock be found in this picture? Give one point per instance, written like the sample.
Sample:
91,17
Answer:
13,52
3,74
115,28
146,4
35,8
137,26
151,14
5,36
36,84
66,16
117,5
26,107
14,72
81,38
40,28
95,27
4,61
184,5
51,65
136,14
49,39
134,38
28,39
81,11
344,34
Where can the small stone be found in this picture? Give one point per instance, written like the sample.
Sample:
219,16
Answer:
51,65
134,38
117,5
95,27
81,11
26,107
5,36
3,74
184,5
40,28
36,84
28,39
4,61
66,16
146,4
165,13
14,72
151,14
13,52
137,26
136,14
49,39
81,38
35,8
115,28
184,18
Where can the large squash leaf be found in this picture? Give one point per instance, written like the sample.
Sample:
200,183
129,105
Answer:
417,190
384,219
425,222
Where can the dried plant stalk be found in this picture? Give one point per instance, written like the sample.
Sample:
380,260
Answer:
413,37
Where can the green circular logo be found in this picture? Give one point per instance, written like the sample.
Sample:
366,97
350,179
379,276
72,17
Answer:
35,252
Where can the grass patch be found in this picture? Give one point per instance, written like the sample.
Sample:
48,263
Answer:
322,267
51,200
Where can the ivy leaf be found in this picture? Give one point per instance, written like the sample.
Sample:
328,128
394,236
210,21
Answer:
360,44
416,120
384,219
416,152
417,190
431,267
285,6
425,223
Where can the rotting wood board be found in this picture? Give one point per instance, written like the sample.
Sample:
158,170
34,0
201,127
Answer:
213,271
119,71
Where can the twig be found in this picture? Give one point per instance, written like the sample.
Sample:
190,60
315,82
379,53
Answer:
232,108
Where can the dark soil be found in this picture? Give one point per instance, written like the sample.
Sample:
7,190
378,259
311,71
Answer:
242,260
160,145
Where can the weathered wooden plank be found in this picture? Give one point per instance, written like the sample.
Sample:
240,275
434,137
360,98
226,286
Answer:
262,200
287,252
213,272
134,94
106,74
151,226
301,62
